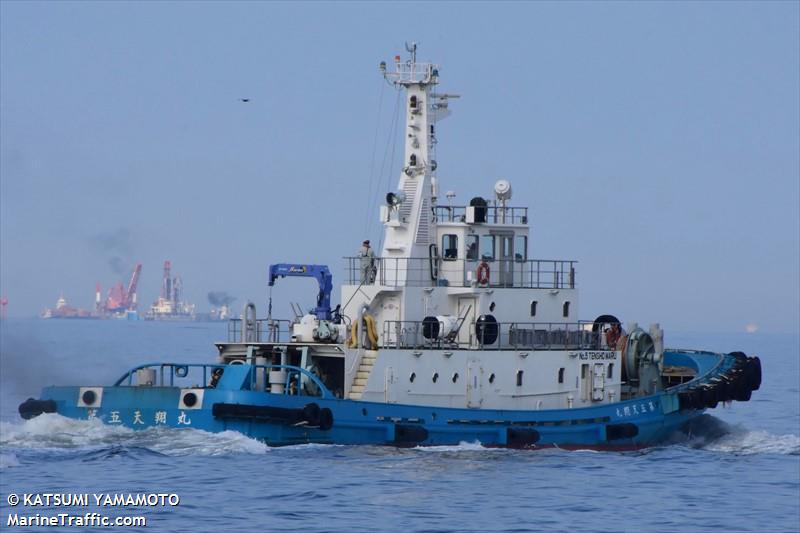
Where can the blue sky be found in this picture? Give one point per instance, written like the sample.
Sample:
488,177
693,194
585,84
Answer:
657,143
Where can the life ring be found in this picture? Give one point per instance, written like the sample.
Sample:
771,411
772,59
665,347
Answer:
483,273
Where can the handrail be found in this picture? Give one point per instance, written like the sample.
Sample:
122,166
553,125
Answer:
496,215
462,272
416,334
128,376
267,330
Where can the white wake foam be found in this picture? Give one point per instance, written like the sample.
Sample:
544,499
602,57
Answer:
755,442
460,447
8,460
57,433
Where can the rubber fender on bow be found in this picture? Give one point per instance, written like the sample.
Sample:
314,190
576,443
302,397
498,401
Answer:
710,397
697,400
32,408
736,386
744,393
621,431
721,385
740,356
686,400
409,434
754,364
518,437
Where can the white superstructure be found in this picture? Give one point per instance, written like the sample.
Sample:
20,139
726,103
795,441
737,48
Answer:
463,315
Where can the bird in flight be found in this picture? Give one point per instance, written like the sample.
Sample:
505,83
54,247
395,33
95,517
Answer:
245,100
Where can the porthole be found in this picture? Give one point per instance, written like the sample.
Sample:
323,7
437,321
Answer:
491,378
561,375
412,377
364,411
435,377
190,399
89,397
519,378
455,377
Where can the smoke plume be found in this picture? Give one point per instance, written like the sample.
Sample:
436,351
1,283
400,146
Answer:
117,246
219,298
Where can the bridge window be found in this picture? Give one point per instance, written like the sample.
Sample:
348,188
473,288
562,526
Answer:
487,247
610,370
472,247
534,303
450,247
519,378
521,248
566,309
561,375
505,244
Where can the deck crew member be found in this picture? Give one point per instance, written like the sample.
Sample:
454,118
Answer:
614,336
367,257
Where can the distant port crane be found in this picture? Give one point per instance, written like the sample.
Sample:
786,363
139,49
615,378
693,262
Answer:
120,300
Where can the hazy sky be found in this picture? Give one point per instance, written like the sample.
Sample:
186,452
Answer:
657,143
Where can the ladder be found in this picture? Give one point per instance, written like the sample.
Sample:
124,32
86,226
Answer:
362,374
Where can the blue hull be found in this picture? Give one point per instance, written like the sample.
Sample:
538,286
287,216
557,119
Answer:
285,419
652,419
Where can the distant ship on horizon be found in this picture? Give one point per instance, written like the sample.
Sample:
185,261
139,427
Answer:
64,310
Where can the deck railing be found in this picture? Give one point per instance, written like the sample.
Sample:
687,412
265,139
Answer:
199,375
494,336
427,272
493,214
261,330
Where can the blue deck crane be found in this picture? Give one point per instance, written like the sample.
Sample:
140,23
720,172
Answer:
322,275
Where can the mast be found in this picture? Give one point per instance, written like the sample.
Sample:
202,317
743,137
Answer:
410,227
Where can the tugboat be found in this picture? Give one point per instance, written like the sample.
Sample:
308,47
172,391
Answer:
451,333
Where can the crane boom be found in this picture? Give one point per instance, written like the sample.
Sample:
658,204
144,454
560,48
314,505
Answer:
130,296
320,272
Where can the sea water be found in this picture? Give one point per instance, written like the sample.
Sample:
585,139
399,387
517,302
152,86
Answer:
737,469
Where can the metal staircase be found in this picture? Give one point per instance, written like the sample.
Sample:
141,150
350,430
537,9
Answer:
362,374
